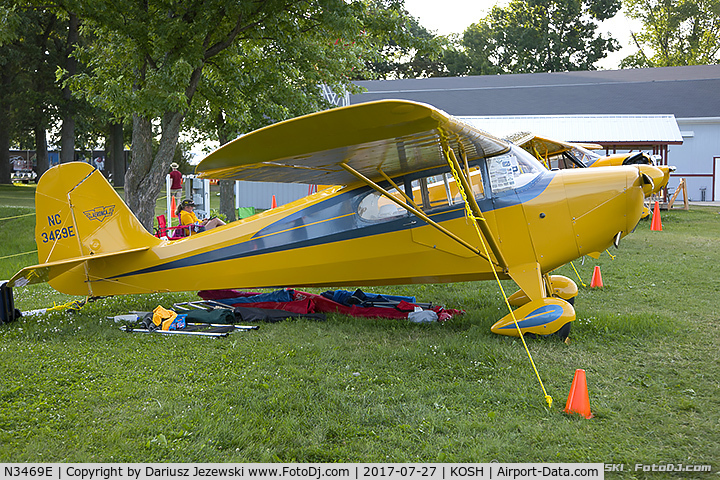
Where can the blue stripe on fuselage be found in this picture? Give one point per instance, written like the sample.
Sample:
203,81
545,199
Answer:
334,220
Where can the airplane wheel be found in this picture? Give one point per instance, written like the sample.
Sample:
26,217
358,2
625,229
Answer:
570,300
562,334
564,331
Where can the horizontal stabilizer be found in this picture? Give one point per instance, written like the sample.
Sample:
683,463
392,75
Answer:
47,271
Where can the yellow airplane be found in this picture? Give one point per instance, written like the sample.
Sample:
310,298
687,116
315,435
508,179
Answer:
557,154
417,197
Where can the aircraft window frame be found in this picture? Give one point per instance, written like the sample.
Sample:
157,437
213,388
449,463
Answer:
445,177
502,170
563,161
372,214
370,210
585,156
575,161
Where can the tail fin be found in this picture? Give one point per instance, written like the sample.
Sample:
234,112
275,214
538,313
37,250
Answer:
79,221
78,213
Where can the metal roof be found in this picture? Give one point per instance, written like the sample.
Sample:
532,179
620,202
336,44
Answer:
604,129
686,92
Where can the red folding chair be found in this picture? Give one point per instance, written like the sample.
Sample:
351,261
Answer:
172,233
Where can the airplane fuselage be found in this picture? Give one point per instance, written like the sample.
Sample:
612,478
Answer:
327,239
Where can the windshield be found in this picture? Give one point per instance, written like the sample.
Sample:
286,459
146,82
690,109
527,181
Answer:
512,170
586,156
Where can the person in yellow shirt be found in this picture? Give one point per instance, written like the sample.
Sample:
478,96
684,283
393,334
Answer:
186,213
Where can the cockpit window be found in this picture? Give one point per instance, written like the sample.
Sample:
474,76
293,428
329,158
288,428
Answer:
376,207
512,170
428,193
586,156
563,161
439,190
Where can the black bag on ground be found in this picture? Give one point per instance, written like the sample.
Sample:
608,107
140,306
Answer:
8,312
270,315
218,315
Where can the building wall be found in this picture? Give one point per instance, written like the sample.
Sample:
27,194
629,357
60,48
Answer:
259,194
694,159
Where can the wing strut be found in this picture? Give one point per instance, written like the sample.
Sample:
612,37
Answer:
473,210
402,192
413,210
477,215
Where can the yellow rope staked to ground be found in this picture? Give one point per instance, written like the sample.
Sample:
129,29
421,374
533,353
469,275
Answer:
72,304
578,275
17,216
451,159
18,254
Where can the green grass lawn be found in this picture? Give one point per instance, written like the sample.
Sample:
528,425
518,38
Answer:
75,388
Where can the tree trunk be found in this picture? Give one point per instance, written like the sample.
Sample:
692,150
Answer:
145,177
137,196
67,139
41,152
227,199
119,167
67,134
115,154
5,170
227,187
109,157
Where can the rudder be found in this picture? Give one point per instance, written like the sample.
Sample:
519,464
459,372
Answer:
78,213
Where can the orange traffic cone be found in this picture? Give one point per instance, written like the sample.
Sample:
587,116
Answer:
274,202
596,278
578,400
656,224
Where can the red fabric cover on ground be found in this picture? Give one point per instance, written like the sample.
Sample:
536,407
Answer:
220,294
310,303
326,305
299,305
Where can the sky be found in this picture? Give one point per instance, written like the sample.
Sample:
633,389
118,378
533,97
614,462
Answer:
454,16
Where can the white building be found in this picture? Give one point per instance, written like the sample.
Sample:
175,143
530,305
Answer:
635,109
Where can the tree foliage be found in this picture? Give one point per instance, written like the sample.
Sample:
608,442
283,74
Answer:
34,41
171,64
410,52
530,36
28,96
675,32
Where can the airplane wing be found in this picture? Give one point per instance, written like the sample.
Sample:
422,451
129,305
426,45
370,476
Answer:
545,146
396,136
